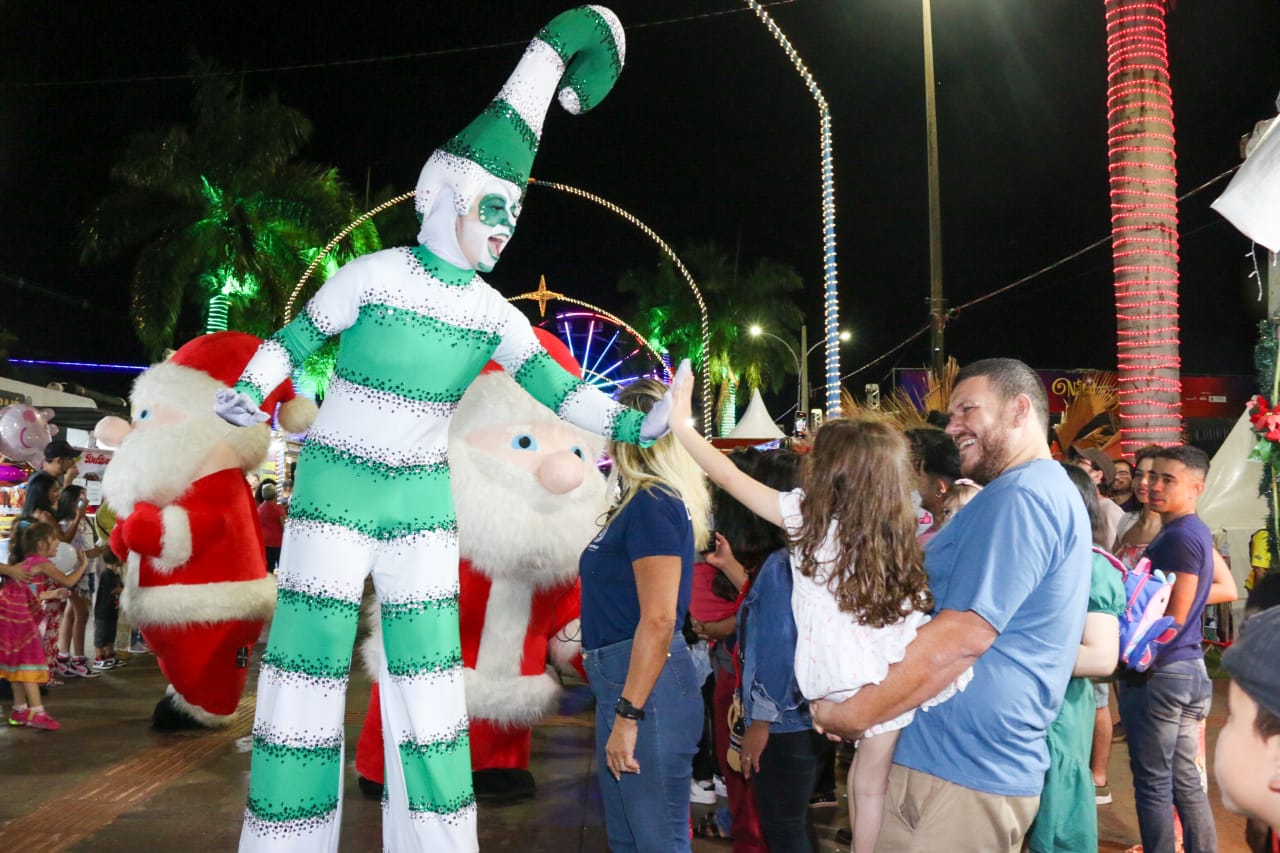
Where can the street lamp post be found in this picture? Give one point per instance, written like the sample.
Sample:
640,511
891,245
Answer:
802,392
937,304
802,364
844,336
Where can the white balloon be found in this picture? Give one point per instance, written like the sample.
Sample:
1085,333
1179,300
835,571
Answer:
65,559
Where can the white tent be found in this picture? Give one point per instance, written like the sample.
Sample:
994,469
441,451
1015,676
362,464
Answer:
1231,505
756,422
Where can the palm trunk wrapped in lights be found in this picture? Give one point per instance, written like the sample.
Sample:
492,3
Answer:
831,298
1144,222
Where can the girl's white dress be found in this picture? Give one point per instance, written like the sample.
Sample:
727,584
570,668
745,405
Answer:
835,654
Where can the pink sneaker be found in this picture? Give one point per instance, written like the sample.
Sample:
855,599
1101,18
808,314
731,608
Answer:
78,668
42,720
19,718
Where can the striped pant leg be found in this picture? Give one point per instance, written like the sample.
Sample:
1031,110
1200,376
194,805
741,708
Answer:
428,803
295,785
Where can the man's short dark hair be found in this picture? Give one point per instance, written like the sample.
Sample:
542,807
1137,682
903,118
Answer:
1011,378
1146,452
934,452
1193,457
59,449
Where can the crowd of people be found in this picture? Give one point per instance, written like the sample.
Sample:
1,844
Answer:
871,613
947,599
58,568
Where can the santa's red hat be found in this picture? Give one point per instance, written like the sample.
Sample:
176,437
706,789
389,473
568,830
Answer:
556,348
223,356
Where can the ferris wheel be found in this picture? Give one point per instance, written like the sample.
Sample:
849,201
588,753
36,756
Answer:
612,354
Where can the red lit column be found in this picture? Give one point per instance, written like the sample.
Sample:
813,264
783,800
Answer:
1144,222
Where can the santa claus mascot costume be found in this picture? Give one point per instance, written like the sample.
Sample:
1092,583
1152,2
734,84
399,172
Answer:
528,498
196,581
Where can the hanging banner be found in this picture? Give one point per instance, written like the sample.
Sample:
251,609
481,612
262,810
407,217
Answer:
1202,396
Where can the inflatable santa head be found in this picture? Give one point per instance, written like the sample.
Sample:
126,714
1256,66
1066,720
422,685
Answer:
175,437
525,484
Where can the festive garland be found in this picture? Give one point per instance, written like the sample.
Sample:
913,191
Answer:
1264,417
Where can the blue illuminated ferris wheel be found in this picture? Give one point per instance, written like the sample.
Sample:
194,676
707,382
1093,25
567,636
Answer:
612,354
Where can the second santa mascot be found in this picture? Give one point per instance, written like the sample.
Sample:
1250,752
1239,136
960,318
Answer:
528,498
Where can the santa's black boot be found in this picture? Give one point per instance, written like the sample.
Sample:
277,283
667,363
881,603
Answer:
370,788
167,717
502,785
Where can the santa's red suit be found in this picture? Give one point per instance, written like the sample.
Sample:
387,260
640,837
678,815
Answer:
196,581
528,497
201,560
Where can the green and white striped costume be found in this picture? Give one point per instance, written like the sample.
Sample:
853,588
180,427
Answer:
371,495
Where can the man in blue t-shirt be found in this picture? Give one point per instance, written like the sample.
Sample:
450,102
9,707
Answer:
1010,577
1162,707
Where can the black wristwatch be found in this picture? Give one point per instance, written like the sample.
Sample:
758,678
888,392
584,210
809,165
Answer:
627,711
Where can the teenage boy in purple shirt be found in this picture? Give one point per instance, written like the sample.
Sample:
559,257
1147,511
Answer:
1162,707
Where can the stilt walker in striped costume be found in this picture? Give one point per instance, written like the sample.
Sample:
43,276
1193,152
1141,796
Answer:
372,493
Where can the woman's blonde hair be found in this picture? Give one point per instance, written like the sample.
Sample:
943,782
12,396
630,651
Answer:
858,500
663,465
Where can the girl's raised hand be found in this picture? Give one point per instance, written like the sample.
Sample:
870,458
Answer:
682,396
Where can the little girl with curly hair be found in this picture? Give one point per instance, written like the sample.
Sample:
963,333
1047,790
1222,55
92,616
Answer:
860,590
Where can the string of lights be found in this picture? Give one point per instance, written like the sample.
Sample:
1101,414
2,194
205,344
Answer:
831,307
708,410
339,63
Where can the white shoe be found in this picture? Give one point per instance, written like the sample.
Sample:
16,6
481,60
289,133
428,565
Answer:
700,795
720,789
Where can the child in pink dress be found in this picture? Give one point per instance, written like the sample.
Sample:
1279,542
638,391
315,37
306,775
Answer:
23,661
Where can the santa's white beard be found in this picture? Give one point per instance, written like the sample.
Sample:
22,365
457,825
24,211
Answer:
157,464
510,527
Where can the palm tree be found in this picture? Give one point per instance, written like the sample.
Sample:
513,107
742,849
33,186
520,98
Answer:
667,315
220,214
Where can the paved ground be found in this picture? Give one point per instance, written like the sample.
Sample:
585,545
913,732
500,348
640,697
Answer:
106,782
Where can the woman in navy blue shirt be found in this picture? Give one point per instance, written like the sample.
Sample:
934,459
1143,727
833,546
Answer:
637,575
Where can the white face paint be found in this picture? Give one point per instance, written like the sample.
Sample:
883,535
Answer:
483,233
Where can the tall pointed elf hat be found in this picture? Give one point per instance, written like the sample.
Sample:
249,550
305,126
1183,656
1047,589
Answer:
580,54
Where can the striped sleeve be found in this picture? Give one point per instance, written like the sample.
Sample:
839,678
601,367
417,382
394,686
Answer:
334,308
576,401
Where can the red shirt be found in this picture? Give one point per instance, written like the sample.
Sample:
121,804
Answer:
271,514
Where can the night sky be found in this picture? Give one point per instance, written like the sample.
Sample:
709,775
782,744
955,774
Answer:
709,134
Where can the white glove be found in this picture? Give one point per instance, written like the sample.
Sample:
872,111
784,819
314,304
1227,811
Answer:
656,424
237,409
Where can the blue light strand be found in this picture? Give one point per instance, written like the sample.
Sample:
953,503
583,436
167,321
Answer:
831,308
82,365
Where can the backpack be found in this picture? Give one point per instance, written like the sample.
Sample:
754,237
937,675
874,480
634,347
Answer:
1143,626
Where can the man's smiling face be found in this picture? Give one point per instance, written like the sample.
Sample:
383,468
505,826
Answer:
980,426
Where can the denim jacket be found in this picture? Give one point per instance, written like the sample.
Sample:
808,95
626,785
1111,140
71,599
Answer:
767,632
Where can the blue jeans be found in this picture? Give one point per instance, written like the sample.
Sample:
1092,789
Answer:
1161,711
649,810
